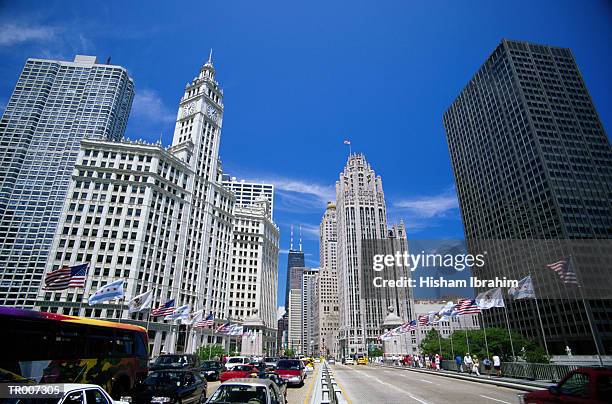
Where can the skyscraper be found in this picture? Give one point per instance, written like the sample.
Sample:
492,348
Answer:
362,215
246,193
158,218
326,311
295,259
55,104
254,270
532,161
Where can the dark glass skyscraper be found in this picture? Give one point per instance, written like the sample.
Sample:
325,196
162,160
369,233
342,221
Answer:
532,162
295,259
54,106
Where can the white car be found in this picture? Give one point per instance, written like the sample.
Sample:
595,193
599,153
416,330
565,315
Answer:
237,360
349,361
75,393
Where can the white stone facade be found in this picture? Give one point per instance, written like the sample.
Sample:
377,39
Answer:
361,213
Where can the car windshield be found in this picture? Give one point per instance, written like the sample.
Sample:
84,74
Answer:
165,377
243,368
270,359
289,365
168,359
234,393
234,360
209,365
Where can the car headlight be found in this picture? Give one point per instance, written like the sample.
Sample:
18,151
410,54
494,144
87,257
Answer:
161,400
126,399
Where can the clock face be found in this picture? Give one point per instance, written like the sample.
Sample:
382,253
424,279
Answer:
212,113
188,109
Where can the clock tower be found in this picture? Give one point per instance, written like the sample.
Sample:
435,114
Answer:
198,123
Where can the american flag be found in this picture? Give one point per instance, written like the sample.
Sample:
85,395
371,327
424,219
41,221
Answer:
164,310
409,326
467,306
423,319
223,328
67,277
207,322
565,271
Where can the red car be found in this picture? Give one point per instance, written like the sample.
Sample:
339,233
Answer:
583,385
238,371
291,370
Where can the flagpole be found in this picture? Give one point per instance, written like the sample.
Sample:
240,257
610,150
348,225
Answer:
467,340
484,329
589,315
450,322
509,332
439,340
541,324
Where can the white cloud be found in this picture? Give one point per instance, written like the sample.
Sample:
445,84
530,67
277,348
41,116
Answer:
149,106
14,34
280,311
428,206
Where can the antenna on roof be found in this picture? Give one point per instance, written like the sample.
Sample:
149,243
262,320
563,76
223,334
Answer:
291,243
300,237
108,60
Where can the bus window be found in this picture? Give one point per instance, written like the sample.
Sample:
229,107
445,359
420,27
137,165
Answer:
140,349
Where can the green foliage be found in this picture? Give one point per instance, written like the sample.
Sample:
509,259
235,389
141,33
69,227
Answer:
290,353
210,352
374,352
498,343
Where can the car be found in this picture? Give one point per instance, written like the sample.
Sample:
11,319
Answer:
73,393
237,360
270,362
170,386
176,361
211,370
584,385
292,370
260,391
331,361
237,371
349,361
317,360
363,360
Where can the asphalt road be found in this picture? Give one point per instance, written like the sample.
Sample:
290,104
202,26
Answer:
371,384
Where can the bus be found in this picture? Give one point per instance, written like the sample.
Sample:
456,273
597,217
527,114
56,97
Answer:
39,347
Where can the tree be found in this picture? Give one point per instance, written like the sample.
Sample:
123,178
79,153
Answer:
375,352
210,352
498,342
290,353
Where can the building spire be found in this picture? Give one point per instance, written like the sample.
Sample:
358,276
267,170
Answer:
210,58
291,242
300,237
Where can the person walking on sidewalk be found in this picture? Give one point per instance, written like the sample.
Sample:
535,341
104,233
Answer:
476,365
497,365
487,365
459,363
467,361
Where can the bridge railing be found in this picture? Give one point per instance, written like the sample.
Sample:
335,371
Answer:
523,370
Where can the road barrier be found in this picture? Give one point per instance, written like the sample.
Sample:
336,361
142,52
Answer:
327,390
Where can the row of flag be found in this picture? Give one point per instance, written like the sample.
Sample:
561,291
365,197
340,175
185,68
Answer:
484,301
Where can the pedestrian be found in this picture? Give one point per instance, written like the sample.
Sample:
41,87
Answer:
459,363
497,365
476,365
437,362
467,361
487,365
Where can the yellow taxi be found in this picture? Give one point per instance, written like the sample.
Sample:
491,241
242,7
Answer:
362,360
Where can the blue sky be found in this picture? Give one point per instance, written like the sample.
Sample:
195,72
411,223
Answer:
299,78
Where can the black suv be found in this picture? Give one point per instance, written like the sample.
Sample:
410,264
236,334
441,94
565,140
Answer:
176,361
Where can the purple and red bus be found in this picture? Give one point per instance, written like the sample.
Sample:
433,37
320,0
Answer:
44,347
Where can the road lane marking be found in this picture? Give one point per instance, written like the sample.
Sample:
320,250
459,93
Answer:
346,397
495,399
312,383
426,381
